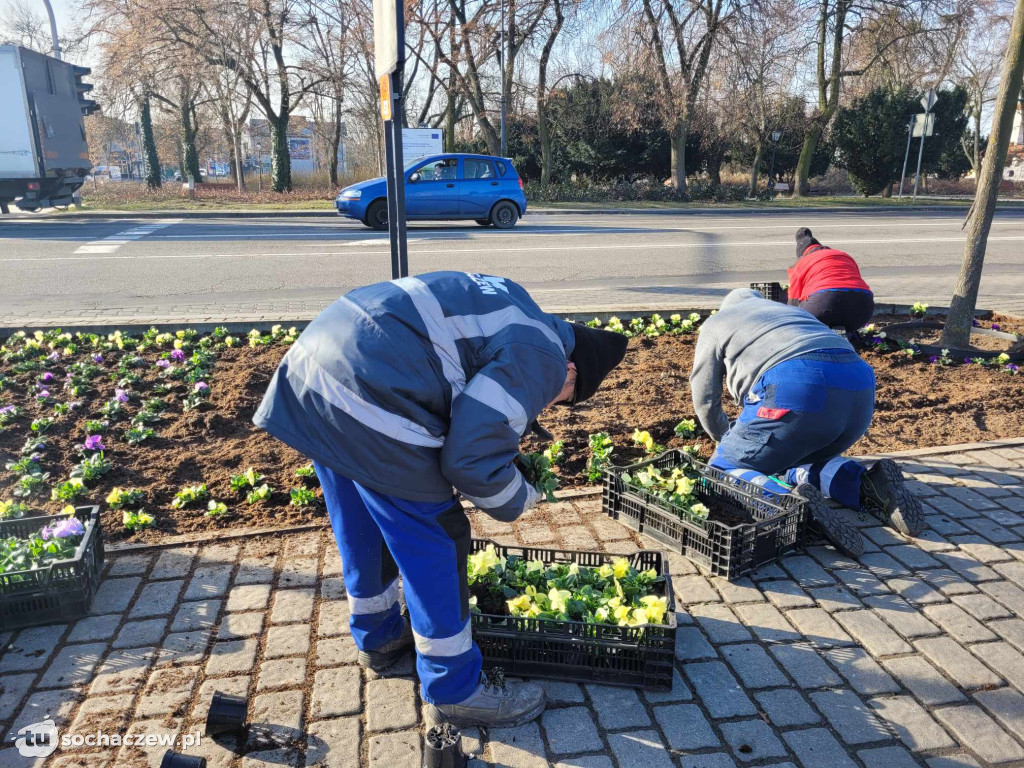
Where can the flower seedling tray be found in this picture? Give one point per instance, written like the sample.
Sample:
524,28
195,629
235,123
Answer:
60,591
771,291
638,657
777,523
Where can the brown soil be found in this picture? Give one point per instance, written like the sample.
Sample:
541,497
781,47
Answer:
918,405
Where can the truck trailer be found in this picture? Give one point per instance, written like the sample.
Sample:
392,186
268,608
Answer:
44,157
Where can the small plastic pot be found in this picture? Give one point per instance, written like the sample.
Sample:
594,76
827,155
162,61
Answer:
444,748
174,759
227,714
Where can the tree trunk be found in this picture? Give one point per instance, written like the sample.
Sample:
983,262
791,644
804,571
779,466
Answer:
280,160
887,192
190,156
678,139
755,169
237,159
149,155
335,141
542,96
803,165
449,122
957,332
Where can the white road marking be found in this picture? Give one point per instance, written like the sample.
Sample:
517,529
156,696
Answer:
111,243
487,251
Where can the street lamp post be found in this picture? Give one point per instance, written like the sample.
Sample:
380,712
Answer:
776,135
259,162
53,29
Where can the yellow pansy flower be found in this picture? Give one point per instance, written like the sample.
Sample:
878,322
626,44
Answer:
519,605
534,566
558,598
605,571
620,567
656,607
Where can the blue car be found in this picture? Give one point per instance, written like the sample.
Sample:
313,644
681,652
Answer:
479,187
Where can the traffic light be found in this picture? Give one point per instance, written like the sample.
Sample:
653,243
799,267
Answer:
88,105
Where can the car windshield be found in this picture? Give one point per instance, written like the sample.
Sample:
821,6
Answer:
414,162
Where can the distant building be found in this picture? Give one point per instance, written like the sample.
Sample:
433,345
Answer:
305,151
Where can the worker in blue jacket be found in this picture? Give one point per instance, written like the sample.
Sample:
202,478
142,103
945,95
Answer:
404,394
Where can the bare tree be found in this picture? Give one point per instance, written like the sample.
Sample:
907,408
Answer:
977,70
329,55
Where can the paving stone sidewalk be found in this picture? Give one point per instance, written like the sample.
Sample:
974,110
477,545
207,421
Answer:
913,656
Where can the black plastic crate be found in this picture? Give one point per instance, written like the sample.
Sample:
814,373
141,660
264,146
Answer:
63,590
638,657
771,291
777,523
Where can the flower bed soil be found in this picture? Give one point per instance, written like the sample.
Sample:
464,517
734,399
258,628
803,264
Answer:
918,405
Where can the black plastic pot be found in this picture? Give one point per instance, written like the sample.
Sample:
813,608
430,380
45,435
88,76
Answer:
444,748
227,714
174,759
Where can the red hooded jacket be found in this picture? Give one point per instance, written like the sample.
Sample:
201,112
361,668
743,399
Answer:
821,269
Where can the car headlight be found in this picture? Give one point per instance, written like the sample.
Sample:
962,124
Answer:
351,194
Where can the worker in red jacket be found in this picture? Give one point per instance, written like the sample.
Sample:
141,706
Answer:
827,283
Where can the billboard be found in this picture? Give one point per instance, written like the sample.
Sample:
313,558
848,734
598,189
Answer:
417,142
300,149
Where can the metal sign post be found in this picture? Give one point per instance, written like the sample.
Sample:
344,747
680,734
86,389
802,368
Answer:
927,101
906,155
389,54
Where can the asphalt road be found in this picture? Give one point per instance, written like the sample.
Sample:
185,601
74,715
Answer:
250,269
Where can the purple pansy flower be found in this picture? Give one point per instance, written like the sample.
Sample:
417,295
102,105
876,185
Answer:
46,377
201,386
120,395
967,360
995,326
65,529
933,359
94,443
1012,367
178,355
53,357
97,358
7,409
43,394
163,363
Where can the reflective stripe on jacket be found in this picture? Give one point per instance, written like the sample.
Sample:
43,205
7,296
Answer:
414,386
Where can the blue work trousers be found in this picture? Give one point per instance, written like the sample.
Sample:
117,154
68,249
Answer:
797,420
380,536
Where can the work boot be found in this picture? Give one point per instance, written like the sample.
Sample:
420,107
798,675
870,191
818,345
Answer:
884,494
495,703
379,659
844,536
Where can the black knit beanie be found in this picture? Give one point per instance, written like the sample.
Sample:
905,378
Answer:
804,240
596,353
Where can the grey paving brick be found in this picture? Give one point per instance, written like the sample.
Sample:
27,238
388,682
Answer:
157,598
754,666
129,565
980,733
571,731
741,590
232,657
639,749
991,530
981,606
185,647
281,673
291,605
752,740
94,628
1006,593
275,719
980,548
924,681
238,625
817,748
963,668
818,627
334,651
930,541
333,589
258,569
785,707
208,581
849,716
136,634
691,645
947,581
835,598
718,690
711,760
860,581
861,671
965,565
805,666
888,757
201,614
767,571
167,692
248,597
911,723
1011,630
617,707
1008,707
901,616
57,705
872,633
390,704
123,670
685,727
691,590
173,563
883,535
767,622
114,595
289,640
912,556
883,566
522,746
31,648
298,572
73,665
680,691
786,594
719,623
558,692
953,761
806,572
12,690
1004,659
957,623
333,743
335,693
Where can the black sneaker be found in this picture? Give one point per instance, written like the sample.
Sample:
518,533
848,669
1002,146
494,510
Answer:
844,536
388,654
884,494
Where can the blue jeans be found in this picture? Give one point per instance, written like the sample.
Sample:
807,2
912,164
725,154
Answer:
380,536
797,420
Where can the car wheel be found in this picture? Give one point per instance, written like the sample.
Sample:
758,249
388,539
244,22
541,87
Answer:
377,215
484,222
504,215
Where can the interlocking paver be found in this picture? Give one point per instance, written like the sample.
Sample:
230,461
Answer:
982,607
767,622
522,746
786,594
980,733
957,623
818,627
74,665
911,723
31,649
887,757
336,693
872,633
719,623
752,740
805,666
201,614
861,671
957,662
685,727
786,707
333,743
639,749
718,689
157,598
901,616
572,730
1004,659
618,707
390,704
691,645
924,681
817,748
849,716
754,666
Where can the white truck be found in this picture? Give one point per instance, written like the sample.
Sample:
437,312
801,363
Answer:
44,157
